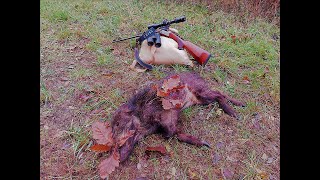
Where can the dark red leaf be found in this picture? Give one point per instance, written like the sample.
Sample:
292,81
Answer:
102,132
160,149
108,165
246,80
100,148
124,137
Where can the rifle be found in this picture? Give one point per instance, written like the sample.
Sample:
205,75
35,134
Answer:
152,35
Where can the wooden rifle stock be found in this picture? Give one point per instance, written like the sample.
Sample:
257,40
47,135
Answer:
200,55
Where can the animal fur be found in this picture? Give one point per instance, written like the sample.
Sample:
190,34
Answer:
145,114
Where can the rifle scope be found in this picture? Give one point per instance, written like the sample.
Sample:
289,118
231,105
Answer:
165,22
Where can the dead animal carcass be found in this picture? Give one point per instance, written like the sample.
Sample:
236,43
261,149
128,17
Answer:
156,109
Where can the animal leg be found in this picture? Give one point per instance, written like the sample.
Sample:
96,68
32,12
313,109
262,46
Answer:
192,140
209,96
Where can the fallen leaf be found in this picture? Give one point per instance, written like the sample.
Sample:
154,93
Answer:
124,137
171,83
264,157
233,38
173,171
161,93
107,73
166,104
108,165
262,175
171,103
102,132
160,149
100,148
138,166
176,103
246,80
192,174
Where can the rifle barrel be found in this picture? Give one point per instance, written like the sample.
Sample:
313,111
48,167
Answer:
118,40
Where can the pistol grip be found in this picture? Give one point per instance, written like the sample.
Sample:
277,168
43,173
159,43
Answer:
180,45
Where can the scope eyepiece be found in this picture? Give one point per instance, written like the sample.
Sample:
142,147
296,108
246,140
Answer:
157,40
150,41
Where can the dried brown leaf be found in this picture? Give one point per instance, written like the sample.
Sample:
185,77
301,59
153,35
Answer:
171,103
171,83
176,103
246,80
160,149
166,104
124,137
102,132
100,148
108,165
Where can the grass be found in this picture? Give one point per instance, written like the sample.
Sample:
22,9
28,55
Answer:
253,54
45,95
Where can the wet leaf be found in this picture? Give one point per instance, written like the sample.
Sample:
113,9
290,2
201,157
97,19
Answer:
160,149
108,165
102,132
100,148
124,137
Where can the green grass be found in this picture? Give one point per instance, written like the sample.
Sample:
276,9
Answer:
81,72
45,95
158,72
79,137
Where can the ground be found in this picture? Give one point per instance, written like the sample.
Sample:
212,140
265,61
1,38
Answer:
85,77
